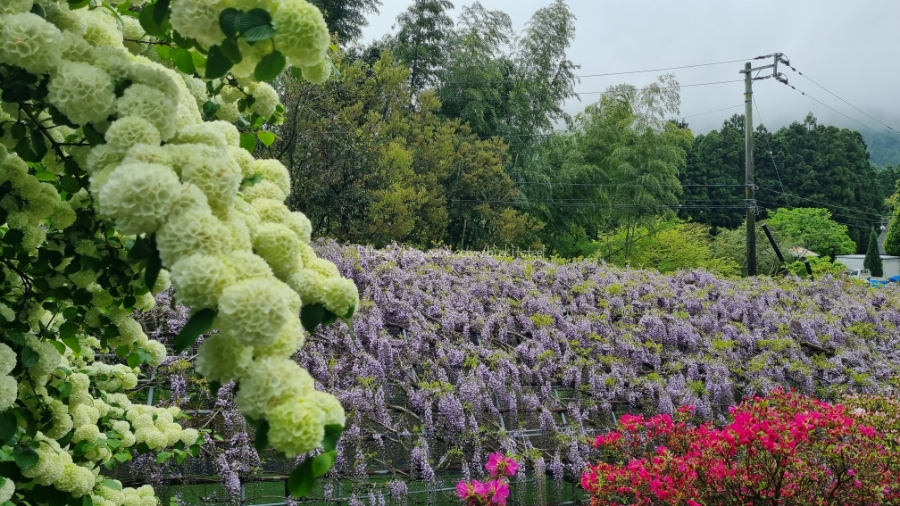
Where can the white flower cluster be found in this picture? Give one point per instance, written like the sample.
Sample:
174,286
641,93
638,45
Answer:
300,33
221,227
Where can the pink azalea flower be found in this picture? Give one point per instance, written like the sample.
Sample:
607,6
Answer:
464,490
499,465
499,492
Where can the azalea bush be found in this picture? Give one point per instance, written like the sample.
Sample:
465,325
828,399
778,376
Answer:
493,492
784,449
127,129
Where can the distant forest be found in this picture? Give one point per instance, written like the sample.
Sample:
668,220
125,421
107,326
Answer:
883,149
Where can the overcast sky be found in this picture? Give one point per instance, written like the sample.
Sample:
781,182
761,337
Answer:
851,47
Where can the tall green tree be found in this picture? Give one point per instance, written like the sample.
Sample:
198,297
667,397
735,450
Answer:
873,259
892,240
347,18
424,29
813,229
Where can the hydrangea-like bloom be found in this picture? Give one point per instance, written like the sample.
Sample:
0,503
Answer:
254,311
296,427
274,171
200,279
9,390
30,42
150,104
15,7
330,406
318,73
301,32
290,339
130,131
263,190
265,100
271,381
222,359
194,231
81,91
7,490
219,177
7,357
340,295
278,245
199,20
139,196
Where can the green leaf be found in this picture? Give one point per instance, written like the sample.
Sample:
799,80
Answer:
47,177
164,52
9,426
86,500
214,387
18,131
332,435
183,60
194,450
163,457
301,480
133,359
65,390
267,138
210,109
77,4
93,137
329,318
230,21
122,457
261,441
179,456
60,347
29,357
122,351
154,264
255,178
256,26
217,64
129,302
231,50
112,484
70,184
322,463
145,356
199,323
270,66
248,142
68,329
311,316
73,344
181,41
25,456
40,144
161,11
149,24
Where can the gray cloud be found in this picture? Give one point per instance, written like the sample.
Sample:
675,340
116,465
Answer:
849,47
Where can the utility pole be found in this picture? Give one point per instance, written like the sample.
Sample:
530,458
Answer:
748,170
748,148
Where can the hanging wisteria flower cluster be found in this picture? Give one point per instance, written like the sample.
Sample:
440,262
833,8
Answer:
115,179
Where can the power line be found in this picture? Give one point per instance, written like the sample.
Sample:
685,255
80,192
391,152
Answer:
841,99
794,207
839,112
662,69
777,172
823,203
710,112
648,87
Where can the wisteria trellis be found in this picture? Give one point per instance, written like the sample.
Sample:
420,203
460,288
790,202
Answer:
455,356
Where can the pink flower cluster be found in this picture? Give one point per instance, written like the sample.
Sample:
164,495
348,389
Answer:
489,493
784,449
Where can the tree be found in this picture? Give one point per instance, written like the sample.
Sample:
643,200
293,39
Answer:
370,169
347,18
892,240
873,258
114,181
812,229
424,29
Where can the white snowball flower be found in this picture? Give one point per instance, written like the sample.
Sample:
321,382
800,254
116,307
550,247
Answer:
254,311
30,42
81,91
139,196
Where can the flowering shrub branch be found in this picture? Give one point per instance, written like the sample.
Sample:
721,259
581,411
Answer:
121,171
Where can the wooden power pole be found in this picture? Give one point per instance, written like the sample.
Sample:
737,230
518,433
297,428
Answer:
748,149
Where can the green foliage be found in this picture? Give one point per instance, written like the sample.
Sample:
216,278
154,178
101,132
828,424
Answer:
423,29
892,241
812,229
666,245
873,258
821,266
369,169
